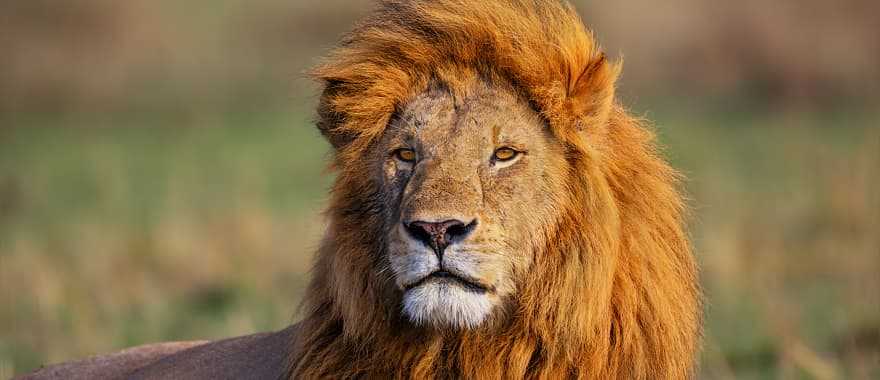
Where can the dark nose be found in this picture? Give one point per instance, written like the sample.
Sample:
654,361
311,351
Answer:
439,235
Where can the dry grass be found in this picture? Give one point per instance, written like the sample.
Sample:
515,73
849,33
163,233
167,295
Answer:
115,237
786,217
111,237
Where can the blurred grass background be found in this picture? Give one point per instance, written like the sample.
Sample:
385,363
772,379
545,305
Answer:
160,178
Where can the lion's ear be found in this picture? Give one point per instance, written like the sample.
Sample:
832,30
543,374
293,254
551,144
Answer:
591,96
328,123
330,120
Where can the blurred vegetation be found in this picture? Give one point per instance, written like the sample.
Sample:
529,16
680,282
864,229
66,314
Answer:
160,178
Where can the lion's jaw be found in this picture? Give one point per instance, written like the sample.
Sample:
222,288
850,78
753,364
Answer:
497,205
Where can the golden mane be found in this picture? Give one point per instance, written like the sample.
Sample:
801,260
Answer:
615,295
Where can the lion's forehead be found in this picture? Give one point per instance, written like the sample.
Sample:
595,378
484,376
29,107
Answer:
445,122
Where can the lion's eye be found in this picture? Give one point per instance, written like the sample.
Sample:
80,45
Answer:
405,155
505,154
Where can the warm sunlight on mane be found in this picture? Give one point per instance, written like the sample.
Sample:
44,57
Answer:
612,293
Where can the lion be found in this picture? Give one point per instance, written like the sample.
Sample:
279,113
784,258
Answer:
496,213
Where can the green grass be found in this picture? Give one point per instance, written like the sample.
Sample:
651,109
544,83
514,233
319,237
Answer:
114,236
123,230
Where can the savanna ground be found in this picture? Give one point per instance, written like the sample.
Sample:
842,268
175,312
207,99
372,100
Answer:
118,236
165,185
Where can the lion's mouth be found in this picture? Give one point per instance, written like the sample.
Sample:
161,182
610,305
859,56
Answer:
442,275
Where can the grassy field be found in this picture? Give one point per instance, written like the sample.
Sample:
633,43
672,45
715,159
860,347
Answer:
122,231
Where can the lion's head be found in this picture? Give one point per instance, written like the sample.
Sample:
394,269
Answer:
468,180
495,211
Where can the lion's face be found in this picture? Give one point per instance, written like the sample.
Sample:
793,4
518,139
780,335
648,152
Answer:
470,180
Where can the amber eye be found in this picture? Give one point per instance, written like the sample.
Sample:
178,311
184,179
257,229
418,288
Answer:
505,154
405,155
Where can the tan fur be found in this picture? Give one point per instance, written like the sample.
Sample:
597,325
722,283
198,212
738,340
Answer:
600,282
613,291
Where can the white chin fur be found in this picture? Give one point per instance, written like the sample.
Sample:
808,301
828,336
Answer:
444,304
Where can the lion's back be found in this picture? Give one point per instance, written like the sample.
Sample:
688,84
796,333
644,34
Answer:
111,366
257,356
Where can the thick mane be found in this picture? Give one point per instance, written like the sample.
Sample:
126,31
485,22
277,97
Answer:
613,294
541,46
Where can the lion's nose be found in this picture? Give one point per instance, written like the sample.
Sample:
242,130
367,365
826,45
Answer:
439,235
